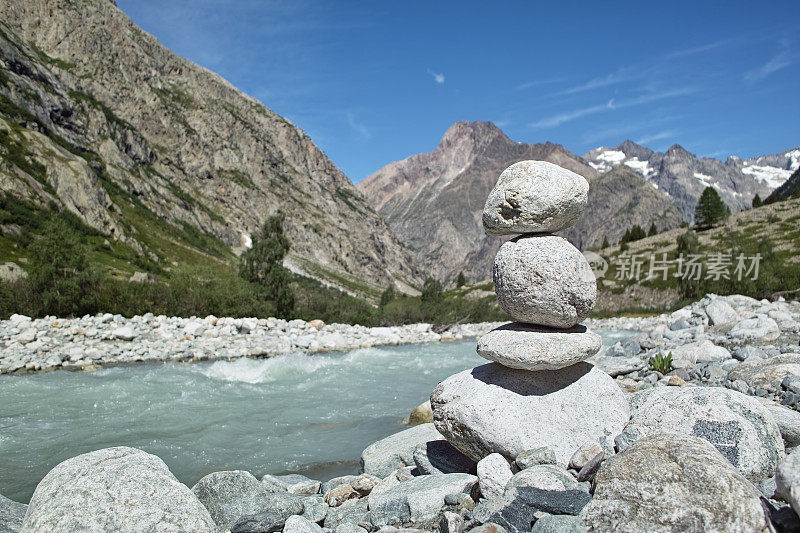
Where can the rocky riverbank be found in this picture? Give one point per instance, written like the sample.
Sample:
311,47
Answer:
91,342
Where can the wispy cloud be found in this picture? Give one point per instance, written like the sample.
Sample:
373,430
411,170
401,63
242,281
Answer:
629,129
779,61
537,83
700,49
557,120
438,78
622,75
660,136
358,127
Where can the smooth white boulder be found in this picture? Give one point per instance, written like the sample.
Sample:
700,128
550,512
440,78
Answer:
495,409
529,347
115,489
535,197
494,473
544,280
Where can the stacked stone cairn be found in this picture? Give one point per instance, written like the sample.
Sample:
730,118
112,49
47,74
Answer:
538,391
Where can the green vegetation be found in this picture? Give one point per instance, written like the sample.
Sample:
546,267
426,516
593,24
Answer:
461,280
14,152
74,270
431,291
757,201
754,253
60,63
263,264
710,209
661,362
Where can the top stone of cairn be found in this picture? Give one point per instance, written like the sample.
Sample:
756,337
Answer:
534,197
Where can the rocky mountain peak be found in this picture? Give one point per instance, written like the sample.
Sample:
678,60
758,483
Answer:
470,135
631,149
678,151
433,201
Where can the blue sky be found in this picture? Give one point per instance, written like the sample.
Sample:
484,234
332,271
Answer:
375,82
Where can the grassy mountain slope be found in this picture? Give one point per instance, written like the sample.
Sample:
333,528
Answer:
772,231
167,161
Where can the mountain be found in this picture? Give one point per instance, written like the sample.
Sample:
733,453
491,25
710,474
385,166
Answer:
789,189
168,159
683,176
618,200
434,201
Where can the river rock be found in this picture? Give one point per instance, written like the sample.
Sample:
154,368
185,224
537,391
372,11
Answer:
296,484
383,457
124,333
494,473
115,489
237,497
688,355
788,421
536,456
519,507
417,500
11,515
422,414
492,408
787,480
559,524
543,279
618,366
298,524
544,477
530,347
534,197
353,511
670,482
720,313
737,425
767,373
441,457
758,328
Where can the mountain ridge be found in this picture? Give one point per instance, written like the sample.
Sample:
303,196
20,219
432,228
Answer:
629,185
162,134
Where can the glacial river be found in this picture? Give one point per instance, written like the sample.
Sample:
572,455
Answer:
308,413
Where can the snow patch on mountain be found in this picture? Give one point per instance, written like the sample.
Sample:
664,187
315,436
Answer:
605,160
642,167
774,177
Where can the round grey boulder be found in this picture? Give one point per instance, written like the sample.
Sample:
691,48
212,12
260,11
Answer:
544,280
535,197
737,425
493,408
670,482
530,347
233,496
383,457
115,489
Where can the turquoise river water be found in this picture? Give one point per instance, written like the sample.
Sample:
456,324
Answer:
308,413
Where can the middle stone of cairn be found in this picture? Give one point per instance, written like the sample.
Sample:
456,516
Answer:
540,279
539,390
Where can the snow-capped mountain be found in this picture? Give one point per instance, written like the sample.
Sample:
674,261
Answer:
683,176
773,169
